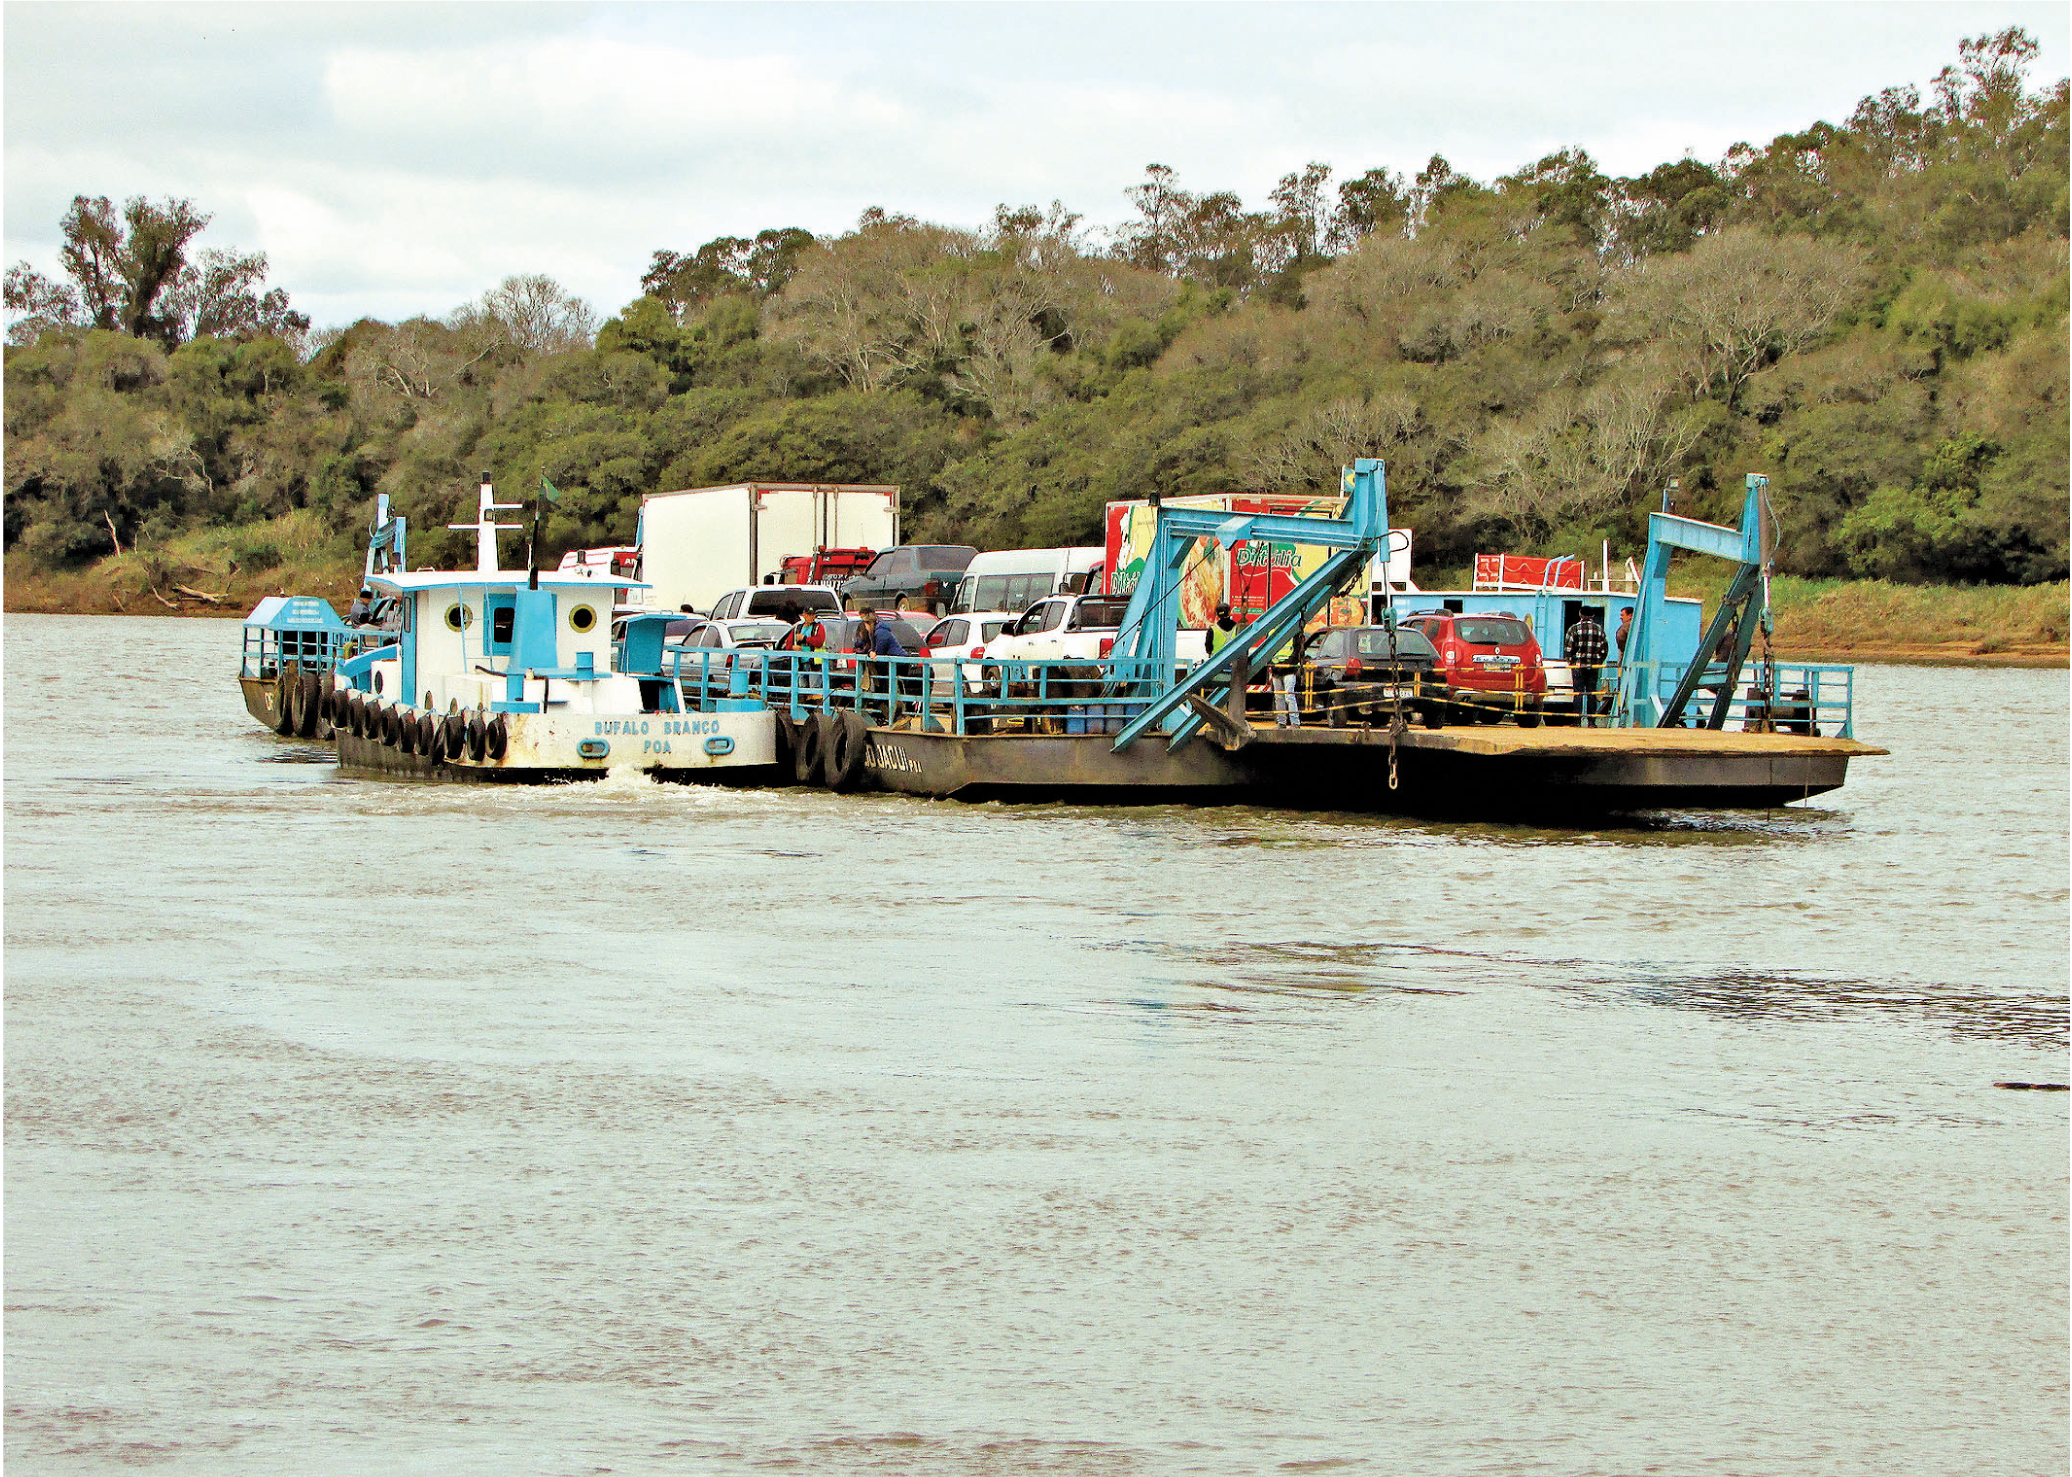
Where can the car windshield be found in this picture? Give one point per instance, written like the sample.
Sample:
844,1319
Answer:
948,557
1374,641
751,633
1491,631
1099,615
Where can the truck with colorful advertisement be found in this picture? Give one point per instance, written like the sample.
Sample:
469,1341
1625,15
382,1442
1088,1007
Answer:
1250,575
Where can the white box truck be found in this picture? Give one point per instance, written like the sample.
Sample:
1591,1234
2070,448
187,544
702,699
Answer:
699,543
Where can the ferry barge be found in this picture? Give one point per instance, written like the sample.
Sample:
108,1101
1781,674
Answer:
1140,724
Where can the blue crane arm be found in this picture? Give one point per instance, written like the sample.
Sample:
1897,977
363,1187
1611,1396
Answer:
1150,625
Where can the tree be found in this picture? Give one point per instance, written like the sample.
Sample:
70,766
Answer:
223,295
759,266
1738,301
1376,201
131,274
533,315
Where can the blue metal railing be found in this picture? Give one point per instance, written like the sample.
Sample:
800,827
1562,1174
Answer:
267,651
1784,697
956,695
962,695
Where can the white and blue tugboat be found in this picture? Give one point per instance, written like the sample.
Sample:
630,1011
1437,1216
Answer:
507,675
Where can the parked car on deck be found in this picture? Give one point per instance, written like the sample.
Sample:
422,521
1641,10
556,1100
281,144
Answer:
1355,669
966,634
1492,663
916,577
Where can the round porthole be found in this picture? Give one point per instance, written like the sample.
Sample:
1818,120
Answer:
581,619
459,617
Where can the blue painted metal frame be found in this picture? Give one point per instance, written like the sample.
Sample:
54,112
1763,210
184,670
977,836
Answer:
1150,626
1639,702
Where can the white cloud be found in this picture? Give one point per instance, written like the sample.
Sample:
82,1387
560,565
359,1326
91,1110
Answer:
403,158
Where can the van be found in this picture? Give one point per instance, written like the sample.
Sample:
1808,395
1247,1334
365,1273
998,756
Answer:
1015,579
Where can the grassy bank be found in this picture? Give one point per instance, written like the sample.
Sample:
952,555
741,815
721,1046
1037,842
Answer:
226,572
215,571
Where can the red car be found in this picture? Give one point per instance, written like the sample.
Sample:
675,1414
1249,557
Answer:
1490,660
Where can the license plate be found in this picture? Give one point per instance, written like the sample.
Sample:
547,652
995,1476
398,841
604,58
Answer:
1498,661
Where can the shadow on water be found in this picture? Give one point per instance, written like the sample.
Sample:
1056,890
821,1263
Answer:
1364,972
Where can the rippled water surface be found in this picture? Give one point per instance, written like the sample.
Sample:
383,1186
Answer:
364,1126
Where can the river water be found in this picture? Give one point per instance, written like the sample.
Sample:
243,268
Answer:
363,1126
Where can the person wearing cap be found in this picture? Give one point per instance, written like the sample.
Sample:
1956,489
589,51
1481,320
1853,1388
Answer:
362,608
1221,630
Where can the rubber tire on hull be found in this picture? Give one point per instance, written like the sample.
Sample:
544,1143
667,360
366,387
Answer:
843,758
428,735
497,738
390,725
477,735
406,731
310,711
284,685
808,748
453,736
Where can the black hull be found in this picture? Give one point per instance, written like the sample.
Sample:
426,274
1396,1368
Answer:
1504,774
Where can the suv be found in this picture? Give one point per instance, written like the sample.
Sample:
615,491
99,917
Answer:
1355,669
1491,660
911,577
778,602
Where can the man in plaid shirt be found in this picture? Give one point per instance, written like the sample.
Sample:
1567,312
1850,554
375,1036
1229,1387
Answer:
1584,650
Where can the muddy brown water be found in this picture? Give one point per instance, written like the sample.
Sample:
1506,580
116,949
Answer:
370,1126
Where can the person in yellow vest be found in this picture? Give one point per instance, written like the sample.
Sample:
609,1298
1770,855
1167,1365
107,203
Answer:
1221,630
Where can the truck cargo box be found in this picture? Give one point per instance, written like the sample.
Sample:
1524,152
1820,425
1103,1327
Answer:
698,543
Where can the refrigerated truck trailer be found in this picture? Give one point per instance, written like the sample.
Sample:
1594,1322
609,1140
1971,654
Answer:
699,543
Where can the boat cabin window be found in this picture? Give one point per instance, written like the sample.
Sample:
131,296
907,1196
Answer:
501,620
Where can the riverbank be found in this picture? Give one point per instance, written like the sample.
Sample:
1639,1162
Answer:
1817,620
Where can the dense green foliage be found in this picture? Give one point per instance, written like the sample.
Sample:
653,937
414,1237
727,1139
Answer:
1873,313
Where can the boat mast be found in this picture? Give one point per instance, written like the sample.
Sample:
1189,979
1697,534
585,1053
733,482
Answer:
486,527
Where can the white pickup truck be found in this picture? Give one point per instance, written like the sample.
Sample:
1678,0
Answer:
1076,628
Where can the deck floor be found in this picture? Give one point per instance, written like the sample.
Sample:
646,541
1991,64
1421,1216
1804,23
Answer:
1507,739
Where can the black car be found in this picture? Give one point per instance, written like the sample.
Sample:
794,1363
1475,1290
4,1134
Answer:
916,577
1355,669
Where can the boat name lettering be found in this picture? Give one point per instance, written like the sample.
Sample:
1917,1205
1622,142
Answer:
640,727
884,756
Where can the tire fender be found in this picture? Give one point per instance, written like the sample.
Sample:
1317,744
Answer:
843,760
808,749
497,738
478,739
285,683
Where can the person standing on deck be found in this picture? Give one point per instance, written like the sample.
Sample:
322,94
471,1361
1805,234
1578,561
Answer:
1625,630
1221,630
1584,648
362,608
1286,670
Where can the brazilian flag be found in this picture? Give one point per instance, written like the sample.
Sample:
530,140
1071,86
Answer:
548,490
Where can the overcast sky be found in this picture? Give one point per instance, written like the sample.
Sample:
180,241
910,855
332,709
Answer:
397,159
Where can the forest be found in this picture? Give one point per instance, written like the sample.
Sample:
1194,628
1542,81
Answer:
1873,313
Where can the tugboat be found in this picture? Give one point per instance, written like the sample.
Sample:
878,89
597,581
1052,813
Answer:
506,675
